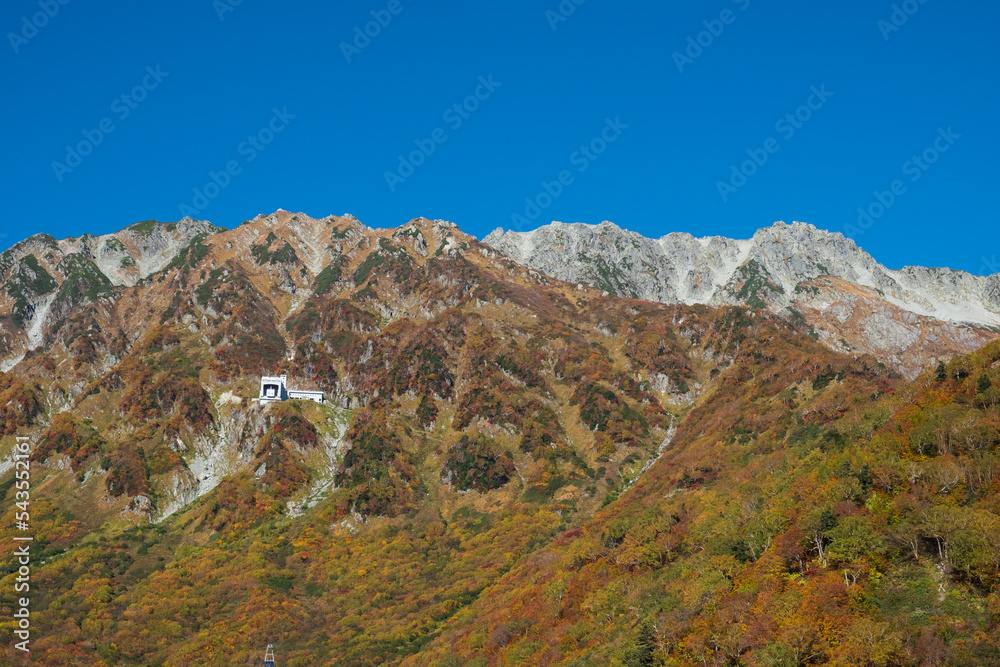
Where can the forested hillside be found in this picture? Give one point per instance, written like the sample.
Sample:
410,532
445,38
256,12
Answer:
511,469
800,518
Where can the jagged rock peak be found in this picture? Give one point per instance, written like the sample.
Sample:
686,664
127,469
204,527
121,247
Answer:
794,268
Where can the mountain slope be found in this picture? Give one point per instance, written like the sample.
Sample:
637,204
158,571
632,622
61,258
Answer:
911,318
448,421
45,279
792,524
513,469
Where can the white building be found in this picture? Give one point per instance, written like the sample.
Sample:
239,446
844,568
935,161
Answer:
275,388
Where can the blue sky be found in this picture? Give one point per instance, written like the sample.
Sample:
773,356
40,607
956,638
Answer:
595,98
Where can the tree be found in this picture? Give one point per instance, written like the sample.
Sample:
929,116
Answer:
776,654
941,372
976,438
854,538
815,525
762,529
645,645
804,638
906,535
941,522
989,398
871,643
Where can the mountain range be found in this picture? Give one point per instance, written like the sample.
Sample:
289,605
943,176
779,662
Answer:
512,467
910,318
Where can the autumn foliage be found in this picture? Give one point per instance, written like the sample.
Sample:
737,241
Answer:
510,471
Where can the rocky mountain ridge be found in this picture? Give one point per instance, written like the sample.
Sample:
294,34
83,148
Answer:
910,318
44,278
242,298
512,469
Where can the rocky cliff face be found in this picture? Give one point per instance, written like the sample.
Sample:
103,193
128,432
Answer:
910,318
44,279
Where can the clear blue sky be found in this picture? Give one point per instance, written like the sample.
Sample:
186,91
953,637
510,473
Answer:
606,60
